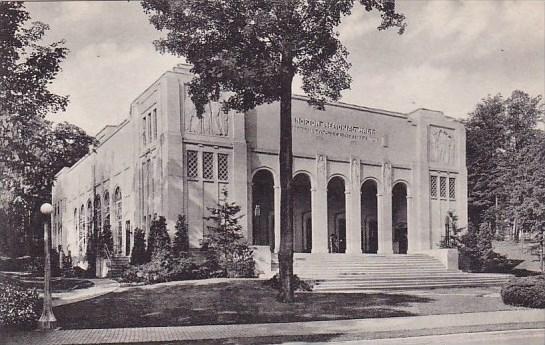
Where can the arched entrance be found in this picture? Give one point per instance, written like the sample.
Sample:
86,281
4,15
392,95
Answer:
399,218
263,208
302,214
336,215
369,217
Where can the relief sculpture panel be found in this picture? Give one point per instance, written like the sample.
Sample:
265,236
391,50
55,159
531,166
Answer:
213,122
442,144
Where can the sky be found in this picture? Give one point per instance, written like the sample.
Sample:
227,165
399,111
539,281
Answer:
453,54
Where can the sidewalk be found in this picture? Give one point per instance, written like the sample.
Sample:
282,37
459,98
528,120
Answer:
340,327
101,287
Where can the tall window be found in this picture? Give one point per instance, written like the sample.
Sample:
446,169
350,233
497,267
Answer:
76,222
144,127
82,235
89,218
223,167
452,188
149,127
443,187
106,209
98,215
192,164
208,165
433,186
155,124
119,219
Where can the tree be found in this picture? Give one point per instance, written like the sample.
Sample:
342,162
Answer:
138,254
227,250
180,247
31,149
158,238
252,49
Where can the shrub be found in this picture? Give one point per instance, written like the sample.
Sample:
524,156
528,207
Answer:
163,267
19,307
525,291
158,239
180,247
106,241
298,283
138,254
228,254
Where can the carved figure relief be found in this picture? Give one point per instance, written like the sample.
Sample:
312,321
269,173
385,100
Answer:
387,175
214,121
442,145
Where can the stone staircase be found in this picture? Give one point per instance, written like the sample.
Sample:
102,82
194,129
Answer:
118,264
348,273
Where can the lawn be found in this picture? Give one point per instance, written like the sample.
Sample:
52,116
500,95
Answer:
250,301
58,284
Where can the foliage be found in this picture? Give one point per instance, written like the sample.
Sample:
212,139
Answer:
180,246
250,50
158,239
525,291
139,253
505,159
32,149
298,283
106,243
227,251
163,267
19,307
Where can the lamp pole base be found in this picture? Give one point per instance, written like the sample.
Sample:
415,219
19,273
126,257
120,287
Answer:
47,321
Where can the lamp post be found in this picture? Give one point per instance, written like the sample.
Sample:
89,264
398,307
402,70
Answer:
47,320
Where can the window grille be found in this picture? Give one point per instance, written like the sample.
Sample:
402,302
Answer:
192,164
433,186
452,188
443,187
208,165
223,167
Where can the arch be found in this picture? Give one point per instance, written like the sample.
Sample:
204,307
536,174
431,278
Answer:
89,218
369,216
302,210
336,214
106,217
403,182
118,212
82,236
307,173
337,175
263,183
399,217
270,170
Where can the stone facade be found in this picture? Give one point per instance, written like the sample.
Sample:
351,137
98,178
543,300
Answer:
366,180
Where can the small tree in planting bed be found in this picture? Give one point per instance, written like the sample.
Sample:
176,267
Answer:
139,254
180,247
228,254
158,236
106,240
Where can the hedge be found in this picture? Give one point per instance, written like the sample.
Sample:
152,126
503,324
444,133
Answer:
19,307
525,291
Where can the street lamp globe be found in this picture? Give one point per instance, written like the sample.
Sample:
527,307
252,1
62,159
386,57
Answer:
46,208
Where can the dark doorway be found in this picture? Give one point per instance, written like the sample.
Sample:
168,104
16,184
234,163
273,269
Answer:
369,228
302,242
336,213
399,218
263,208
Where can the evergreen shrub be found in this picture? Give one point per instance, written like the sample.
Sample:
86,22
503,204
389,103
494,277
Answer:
525,291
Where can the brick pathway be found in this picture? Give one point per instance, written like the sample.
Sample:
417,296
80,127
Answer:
164,334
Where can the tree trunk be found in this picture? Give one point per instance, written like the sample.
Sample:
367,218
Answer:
285,256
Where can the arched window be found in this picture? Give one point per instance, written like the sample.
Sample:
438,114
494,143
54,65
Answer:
82,237
89,218
118,209
106,208
98,215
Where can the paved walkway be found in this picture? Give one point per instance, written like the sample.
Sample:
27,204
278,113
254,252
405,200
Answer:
195,333
101,287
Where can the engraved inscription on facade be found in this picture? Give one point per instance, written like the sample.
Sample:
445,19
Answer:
442,145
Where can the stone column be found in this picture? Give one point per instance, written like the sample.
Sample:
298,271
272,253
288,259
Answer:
276,218
319,207
412,237
353,210
385,245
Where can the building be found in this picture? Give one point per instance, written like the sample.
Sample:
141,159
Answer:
365,180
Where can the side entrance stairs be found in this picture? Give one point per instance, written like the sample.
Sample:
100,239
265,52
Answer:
118,264
349,273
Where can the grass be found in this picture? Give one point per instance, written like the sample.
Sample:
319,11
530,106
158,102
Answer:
58,284
250,301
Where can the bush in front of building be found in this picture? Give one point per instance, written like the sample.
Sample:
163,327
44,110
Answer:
525,291
298,283
180,246
227,252
19,306
158,239
139,253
